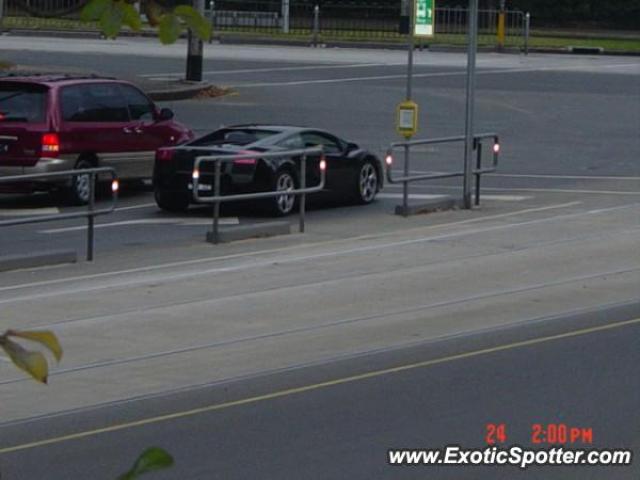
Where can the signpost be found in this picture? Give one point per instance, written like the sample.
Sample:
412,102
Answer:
423,26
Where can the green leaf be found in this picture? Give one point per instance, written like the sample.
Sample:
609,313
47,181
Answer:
34,363
94,10
130,16
153,458
43,337
169,28
111,21
196,22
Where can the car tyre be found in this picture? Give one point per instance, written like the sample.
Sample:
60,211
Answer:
171,201
283,205
80,189
368,183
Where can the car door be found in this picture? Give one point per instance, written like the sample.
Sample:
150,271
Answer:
95,120
339,170
147,133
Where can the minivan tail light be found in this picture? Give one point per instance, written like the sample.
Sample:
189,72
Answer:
50,143
165,154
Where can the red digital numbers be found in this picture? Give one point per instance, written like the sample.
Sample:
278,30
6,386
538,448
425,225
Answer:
560,434
495,433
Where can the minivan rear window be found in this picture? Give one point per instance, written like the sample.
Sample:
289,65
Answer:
22,103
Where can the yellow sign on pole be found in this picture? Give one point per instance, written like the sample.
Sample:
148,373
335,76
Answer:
407,119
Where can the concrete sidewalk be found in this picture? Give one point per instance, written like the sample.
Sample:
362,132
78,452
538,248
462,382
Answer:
142,323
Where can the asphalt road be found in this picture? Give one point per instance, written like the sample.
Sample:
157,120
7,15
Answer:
568,124
162,323
337,421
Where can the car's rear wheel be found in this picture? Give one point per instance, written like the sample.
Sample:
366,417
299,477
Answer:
284,204
171,201
79,191
368,183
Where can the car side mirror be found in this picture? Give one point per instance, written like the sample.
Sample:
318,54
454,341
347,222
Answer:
351,147
165,114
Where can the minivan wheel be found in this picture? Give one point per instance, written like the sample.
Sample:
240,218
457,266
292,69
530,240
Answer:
171,201
80,189
282,205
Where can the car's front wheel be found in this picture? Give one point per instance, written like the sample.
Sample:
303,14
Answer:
368,183
171,201
283,204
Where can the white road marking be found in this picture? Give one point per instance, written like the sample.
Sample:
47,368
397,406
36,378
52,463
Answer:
148,221
134,207
565,177
272,69
287,249
426,196
415,75
16,212
544,190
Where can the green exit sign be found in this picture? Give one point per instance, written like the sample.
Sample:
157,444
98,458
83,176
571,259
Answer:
423,26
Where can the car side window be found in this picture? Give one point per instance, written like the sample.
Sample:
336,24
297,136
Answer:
294,142
96,102
140,107
329,145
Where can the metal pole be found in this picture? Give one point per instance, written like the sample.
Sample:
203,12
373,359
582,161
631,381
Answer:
195,49
407,155
303,197
316,24
2,15
478,146
472,45
527,27
216,205
90,217
212,19
285,16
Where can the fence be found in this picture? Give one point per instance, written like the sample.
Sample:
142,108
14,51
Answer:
292,17
217,198
89,214
407,178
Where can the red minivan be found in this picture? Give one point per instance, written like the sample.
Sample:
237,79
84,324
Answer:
60,122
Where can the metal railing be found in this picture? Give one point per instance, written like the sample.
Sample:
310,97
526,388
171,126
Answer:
316,20
406,179
218,198
90,213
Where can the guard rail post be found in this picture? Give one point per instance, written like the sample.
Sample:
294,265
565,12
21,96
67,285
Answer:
89,214
478,174
90,217
216,205
303,186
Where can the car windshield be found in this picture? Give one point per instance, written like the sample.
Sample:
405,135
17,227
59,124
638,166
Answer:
19,103
235,136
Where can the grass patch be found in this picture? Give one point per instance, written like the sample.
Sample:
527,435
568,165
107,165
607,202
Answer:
537,39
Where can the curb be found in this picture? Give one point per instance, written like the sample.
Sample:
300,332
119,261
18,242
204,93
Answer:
257,230
35,260
257,40
190,90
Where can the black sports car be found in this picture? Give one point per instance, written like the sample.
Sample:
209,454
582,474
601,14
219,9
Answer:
353,174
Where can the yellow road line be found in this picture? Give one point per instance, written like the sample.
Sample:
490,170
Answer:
308,388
